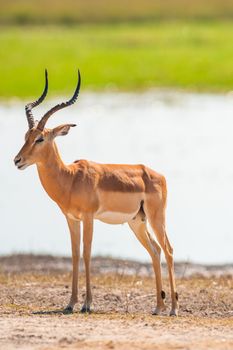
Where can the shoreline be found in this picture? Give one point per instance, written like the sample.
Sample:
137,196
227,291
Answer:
39,263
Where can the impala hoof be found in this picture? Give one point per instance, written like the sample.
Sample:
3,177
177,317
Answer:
68,310
85,309
158,310
174,313
155,313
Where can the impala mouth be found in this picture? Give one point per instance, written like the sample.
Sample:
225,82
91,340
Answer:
22,166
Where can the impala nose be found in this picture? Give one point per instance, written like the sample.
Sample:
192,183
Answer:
17,160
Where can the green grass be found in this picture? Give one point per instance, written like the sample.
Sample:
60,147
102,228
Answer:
189,55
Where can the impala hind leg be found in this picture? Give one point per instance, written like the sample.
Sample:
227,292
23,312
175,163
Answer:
74,227
157,222
87,241
138,226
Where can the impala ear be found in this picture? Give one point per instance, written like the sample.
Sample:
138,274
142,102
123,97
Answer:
62,130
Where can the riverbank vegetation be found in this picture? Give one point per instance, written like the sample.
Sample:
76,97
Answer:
116,47
71,12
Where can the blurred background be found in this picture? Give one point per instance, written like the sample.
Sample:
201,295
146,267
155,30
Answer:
157,88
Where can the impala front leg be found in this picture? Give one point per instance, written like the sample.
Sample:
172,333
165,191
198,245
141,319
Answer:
74,227
87,241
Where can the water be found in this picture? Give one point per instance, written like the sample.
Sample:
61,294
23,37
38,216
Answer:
187,137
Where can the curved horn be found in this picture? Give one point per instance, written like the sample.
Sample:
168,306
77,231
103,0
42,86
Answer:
29,106
45,118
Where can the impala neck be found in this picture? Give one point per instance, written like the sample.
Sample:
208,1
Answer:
54,175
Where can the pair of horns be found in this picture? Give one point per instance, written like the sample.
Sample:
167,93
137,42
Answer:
44,119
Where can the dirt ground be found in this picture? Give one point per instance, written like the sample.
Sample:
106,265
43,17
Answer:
34,290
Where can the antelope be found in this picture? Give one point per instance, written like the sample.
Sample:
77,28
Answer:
112,193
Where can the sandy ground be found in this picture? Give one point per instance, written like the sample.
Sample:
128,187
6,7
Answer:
34,290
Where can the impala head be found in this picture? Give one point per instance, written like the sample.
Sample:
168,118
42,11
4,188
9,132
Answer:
38,139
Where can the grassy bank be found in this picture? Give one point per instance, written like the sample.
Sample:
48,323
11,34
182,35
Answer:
189,55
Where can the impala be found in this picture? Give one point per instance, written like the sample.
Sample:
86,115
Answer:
111,193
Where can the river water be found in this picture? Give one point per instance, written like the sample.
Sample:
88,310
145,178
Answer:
185,136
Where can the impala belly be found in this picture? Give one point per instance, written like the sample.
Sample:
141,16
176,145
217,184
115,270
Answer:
118,208
111,217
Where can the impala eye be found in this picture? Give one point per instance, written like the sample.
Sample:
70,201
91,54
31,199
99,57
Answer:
39,140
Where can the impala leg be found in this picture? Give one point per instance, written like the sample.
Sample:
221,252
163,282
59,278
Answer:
157,223
139,228
87,241
74,227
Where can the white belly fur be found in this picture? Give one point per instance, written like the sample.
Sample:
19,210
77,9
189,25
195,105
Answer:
111,217
117,207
